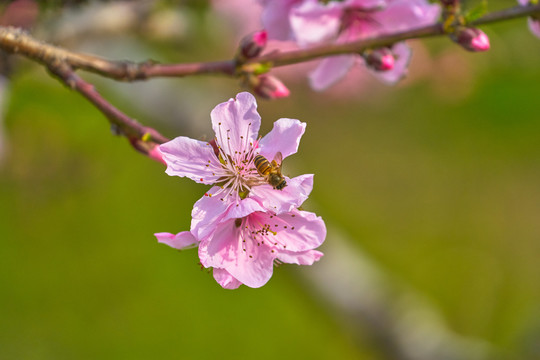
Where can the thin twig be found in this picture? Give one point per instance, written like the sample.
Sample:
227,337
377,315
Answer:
125,124
144,139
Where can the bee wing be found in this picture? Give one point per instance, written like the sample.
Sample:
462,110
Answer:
278,158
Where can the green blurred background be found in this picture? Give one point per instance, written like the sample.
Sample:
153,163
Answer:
436,181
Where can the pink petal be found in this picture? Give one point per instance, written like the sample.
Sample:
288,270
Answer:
401,15
287,199
245,261
313,22
275,18
209,210
330,71
191,158
294,231
226,280
284,137
300,258
523,2
402,54
243,208
236,123
180,241
534,26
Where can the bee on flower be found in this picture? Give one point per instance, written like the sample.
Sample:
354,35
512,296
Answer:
249,218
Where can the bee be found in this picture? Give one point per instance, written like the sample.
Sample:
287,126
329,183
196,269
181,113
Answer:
271,170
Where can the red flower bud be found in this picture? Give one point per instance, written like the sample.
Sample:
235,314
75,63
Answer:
253,44
380,59
471,39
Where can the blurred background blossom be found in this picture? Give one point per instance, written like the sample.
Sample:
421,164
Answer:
429,189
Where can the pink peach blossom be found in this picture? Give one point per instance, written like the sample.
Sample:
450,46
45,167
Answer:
242,225
232,172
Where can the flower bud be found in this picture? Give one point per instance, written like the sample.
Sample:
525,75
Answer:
471,39
270,87
252,45
379,59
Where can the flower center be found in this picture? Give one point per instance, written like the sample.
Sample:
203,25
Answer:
237,161
256,231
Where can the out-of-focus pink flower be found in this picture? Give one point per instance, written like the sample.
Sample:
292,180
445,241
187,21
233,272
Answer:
472,39
237,184
534,22
19,13
275,17
243,250
312,22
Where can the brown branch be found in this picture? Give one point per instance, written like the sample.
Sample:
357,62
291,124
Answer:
507,14
15,40
142,138
125,124
63,64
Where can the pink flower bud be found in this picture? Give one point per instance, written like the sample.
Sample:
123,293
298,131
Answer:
380,59
270,87
471,39
253,44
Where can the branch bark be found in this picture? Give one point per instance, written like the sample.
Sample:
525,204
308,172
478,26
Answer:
63,64
13,40
144,139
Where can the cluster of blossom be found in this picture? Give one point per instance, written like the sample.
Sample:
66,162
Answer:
243,225
311,22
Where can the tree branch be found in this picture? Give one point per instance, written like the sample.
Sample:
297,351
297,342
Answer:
142,138
63,63
15,40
